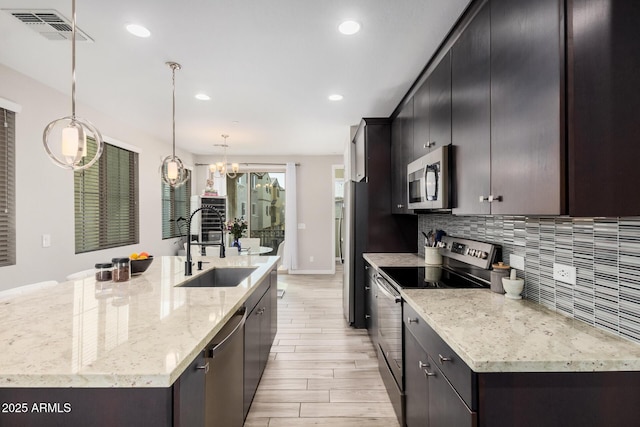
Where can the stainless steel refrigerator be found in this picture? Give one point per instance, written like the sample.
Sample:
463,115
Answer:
353,239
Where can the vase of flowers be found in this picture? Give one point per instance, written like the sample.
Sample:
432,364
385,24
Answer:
237,229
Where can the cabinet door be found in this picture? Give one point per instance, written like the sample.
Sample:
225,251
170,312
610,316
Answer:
440,104
416,384
604,130
446,409
371,310
401,156
361,159
189,395
251,356
265,330
526,106
421,121
273,278
471,116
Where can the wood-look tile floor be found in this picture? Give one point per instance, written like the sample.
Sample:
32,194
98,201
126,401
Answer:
321,372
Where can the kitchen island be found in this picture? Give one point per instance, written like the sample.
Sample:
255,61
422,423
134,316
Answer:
510,362
132,339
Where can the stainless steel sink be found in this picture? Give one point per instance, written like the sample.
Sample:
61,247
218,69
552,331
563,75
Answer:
223,277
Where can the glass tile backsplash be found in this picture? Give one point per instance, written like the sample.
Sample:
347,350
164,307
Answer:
605,252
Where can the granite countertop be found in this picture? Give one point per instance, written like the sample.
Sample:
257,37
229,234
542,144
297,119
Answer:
140,333
494,334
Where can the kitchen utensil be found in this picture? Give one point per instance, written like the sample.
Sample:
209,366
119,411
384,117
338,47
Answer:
499,271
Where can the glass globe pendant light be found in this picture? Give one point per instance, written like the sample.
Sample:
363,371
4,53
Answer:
172,169
72,148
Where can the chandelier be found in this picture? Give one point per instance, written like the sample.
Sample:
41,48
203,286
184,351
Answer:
220,169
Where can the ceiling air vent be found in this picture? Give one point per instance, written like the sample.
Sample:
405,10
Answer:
49,23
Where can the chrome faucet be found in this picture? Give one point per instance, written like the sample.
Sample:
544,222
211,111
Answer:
188,265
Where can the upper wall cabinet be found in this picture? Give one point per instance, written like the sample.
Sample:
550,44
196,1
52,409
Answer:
432,110
471,115
526,107
401,155
604,112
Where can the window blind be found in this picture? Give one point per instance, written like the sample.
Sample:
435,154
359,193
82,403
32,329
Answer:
106,200
7,188
175,204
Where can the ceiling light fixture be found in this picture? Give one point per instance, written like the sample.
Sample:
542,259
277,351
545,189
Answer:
203,97
172,169
349,27
220,169
73,139
335,97
138,30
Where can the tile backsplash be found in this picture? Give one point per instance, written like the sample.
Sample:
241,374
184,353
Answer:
605,252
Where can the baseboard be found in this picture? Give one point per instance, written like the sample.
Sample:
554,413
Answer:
312,272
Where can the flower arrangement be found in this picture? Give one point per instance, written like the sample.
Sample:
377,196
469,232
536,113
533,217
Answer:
237,227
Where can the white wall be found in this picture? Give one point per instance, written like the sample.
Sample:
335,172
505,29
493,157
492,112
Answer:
44,192
315,205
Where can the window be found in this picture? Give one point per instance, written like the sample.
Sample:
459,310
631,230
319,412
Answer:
106,200
175,205
7,188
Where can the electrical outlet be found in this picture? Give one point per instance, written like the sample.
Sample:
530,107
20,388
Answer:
46,240
564,273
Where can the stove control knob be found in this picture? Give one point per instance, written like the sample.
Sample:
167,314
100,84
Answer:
484,255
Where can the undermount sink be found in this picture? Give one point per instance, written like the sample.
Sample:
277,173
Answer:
223,277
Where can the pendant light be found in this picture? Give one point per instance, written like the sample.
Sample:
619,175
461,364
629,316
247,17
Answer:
73,140
220,169
172,169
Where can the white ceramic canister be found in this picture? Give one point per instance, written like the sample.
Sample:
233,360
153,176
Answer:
432,256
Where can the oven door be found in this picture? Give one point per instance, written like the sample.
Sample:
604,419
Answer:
416,186
390,327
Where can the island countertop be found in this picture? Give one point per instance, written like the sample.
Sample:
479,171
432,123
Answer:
140,333
494,334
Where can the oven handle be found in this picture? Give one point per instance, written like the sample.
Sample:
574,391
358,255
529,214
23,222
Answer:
384,287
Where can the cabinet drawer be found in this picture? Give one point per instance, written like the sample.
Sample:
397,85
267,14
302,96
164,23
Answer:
452,366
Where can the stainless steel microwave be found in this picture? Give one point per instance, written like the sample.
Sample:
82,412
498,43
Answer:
428,180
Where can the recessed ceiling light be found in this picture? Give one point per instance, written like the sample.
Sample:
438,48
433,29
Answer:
203,97
335,97
138,30
349,27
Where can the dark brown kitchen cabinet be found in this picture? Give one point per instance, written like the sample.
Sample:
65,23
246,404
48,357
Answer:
604,111
432,110
471,115
446,408
371,308
401,156
259,330
416,385
527,126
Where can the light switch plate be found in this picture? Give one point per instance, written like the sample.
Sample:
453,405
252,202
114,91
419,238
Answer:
516,261
46,240
564,273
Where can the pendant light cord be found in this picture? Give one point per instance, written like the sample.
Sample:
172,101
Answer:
73,60
173,69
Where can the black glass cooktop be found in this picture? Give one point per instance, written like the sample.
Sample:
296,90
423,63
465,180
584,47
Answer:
429,278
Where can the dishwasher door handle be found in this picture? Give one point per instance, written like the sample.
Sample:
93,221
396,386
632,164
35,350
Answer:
212,352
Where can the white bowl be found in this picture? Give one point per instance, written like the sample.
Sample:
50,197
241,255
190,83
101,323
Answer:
513,287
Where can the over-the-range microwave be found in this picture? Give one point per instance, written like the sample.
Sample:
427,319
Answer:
429,180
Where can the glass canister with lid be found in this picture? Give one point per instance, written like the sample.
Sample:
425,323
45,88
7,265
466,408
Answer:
103,271
121,269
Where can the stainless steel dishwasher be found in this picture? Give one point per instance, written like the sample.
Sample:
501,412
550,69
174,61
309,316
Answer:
224,379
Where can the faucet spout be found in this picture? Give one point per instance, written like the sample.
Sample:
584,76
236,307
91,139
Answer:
188,265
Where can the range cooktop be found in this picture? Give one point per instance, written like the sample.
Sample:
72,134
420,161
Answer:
429,278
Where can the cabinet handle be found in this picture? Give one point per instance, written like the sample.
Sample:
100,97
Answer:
410,320
400,206
429,144
366,267
493,198
444,359
483,199
367,288
429,374
367,316
204,367
422,365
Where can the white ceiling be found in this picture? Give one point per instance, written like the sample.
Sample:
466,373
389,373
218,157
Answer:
267,65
